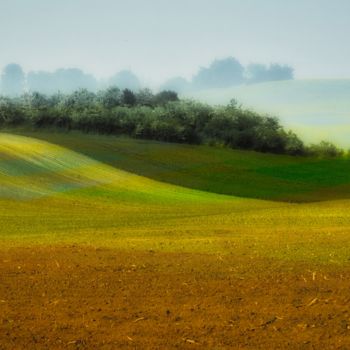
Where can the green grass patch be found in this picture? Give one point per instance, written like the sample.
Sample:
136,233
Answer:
212,169
107,206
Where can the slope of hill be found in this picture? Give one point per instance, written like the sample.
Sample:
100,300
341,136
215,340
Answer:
50,191
315,109
217,170
51,194
32,168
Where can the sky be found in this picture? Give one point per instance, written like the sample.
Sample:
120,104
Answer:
158,39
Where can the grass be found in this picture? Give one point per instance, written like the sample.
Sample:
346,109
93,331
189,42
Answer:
51,194
210,169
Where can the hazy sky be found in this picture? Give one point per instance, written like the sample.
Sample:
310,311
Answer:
162,38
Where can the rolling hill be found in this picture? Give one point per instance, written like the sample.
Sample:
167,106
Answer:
54,194
211,169
315,109
48,189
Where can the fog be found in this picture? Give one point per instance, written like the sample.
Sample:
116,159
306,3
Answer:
159,39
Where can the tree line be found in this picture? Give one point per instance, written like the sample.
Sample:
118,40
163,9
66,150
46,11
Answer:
219,74
161,116
14,81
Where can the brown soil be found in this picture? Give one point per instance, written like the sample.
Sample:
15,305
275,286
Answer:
85,298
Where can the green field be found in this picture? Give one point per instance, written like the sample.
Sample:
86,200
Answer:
211,169
74,192
315,109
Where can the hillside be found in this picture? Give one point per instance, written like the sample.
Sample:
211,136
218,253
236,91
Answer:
315,109
31,168
211,169
53,194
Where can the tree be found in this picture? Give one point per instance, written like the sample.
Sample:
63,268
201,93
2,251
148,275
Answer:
166,96
39,101
128,98
258,73
324,149
294,146
68,80
12,80
221,73
12,111
145,97
110,98
80,100
177,84
281,72
125,80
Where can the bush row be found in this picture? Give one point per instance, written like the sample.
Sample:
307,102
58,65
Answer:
160,117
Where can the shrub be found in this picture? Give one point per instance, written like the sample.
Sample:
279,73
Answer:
324,150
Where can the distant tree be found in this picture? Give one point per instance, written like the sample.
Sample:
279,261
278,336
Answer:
258,73
12,80
125,80
68,80
294,146
324,150
166,96
177,84
39,101
128,98
145,97
80,100
43,82
110,97
56,99
281,72
221,73
12,111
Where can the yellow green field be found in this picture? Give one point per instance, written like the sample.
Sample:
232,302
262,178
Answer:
53,194
61,208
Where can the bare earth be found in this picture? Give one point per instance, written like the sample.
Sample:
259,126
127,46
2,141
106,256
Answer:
85,298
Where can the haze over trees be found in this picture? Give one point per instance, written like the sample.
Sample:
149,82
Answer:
41,81
125,80
258,73
221,73
178,84
230,72
63,80
12,80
